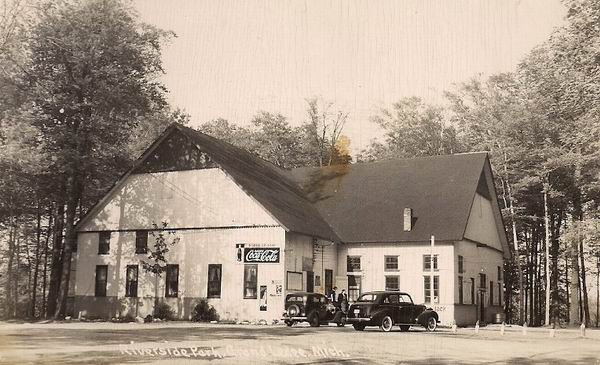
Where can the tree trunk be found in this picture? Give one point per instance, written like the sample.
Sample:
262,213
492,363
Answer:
584,293
37,261
56,265
10,273
547,257
554,277
73,197
45,277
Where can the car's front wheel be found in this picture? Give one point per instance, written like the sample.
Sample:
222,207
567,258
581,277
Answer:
341,322
313,319
431,324
358,327
289,323
386,324
404,328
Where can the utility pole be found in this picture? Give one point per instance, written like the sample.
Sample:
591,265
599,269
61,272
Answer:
597,289
431,281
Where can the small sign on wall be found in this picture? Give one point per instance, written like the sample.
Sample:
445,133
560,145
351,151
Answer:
263,298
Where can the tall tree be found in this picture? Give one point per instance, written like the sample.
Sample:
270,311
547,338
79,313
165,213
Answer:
91,76
412,128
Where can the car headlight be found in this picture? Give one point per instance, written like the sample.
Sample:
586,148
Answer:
330,307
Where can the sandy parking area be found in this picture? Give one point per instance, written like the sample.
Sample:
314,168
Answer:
184,342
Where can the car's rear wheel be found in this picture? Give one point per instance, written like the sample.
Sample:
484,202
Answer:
404,328
431,324
313,319
358,327
386,324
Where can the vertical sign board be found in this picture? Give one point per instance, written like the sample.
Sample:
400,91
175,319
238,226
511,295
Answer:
263,298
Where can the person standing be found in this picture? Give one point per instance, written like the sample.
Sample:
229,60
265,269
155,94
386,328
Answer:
333,295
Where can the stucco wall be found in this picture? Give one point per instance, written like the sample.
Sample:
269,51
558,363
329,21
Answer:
410,270
478,259
189,199
300,258
481,226
195,250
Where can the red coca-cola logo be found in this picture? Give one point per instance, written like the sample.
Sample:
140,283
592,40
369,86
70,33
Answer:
269,255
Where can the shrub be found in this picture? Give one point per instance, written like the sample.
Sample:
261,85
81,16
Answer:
204,312
163,311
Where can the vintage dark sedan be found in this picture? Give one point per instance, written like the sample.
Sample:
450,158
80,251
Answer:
386,309
313,308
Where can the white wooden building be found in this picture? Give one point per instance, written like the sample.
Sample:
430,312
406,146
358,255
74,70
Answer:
249,233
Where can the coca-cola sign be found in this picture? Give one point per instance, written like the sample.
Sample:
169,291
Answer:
261,255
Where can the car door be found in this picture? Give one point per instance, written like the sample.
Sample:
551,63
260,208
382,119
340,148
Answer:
405,309
390,303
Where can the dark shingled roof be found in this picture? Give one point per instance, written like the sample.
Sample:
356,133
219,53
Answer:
266,183
365,202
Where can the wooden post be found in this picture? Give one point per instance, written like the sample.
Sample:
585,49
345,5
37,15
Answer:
432,281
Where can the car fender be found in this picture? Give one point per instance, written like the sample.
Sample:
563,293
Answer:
422,318
378,314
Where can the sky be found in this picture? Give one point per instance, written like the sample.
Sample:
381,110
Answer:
231,59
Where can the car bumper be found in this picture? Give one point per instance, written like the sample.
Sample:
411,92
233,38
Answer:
296,318
357,320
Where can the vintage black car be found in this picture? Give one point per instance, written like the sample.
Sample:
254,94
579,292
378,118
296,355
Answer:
389,308
313,308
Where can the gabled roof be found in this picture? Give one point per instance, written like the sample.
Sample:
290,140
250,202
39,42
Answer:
183,148
365,202
266,183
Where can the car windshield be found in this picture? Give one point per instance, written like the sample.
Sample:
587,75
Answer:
368,298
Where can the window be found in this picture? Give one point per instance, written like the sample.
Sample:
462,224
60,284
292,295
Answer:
103,243
427,262
391,263
405,298
499,293
460,290
391,299
294,281
482,281
353,263
214,281
141,241
499,273
172,284
131,281
101,279
353,287
250,281
472,290
461,264
74,247
427,288
392,282
491,293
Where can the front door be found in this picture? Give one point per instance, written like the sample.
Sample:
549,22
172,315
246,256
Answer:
353,287
481,306
310,281
328,281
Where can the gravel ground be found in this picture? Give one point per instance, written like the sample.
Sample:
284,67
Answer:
184,342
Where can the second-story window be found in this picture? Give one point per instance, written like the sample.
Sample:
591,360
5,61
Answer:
141,241
353,263
427,262
391,263
103,243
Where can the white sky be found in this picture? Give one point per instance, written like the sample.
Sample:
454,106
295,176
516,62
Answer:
234,58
